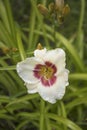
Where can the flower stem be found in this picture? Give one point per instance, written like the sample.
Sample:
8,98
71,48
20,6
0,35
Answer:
42,113
82,14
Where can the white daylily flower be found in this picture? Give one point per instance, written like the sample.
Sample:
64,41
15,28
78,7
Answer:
45,73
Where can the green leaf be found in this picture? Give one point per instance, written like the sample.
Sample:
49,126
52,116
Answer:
8,68
20,45
64,121
77,101
23,98
78,76
7,117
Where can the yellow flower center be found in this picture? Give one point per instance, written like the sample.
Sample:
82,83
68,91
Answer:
46,71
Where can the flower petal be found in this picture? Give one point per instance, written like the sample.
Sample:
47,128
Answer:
26,67
40,53
65,76
57,57
31,88
54,55
56,91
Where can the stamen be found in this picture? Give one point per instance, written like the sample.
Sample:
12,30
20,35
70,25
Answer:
46,73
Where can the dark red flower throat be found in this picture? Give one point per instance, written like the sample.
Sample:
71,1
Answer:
46,73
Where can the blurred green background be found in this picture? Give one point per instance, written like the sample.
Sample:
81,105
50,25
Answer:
22,27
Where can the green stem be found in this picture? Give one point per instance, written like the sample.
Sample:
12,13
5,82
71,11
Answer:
32,28
42,108
40,22
44,2
54,34
80,34
82,14
20,46
48,124
62,113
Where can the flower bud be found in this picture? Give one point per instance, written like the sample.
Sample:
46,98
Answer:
66,10
43,10
51,7
39,46
59,4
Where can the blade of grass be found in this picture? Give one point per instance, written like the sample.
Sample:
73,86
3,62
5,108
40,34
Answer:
64,121
20,46
10,19
5,36
23,98
78,76
4,15
76,102
32,28
8,68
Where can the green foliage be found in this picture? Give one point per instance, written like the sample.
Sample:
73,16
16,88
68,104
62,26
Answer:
18,40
